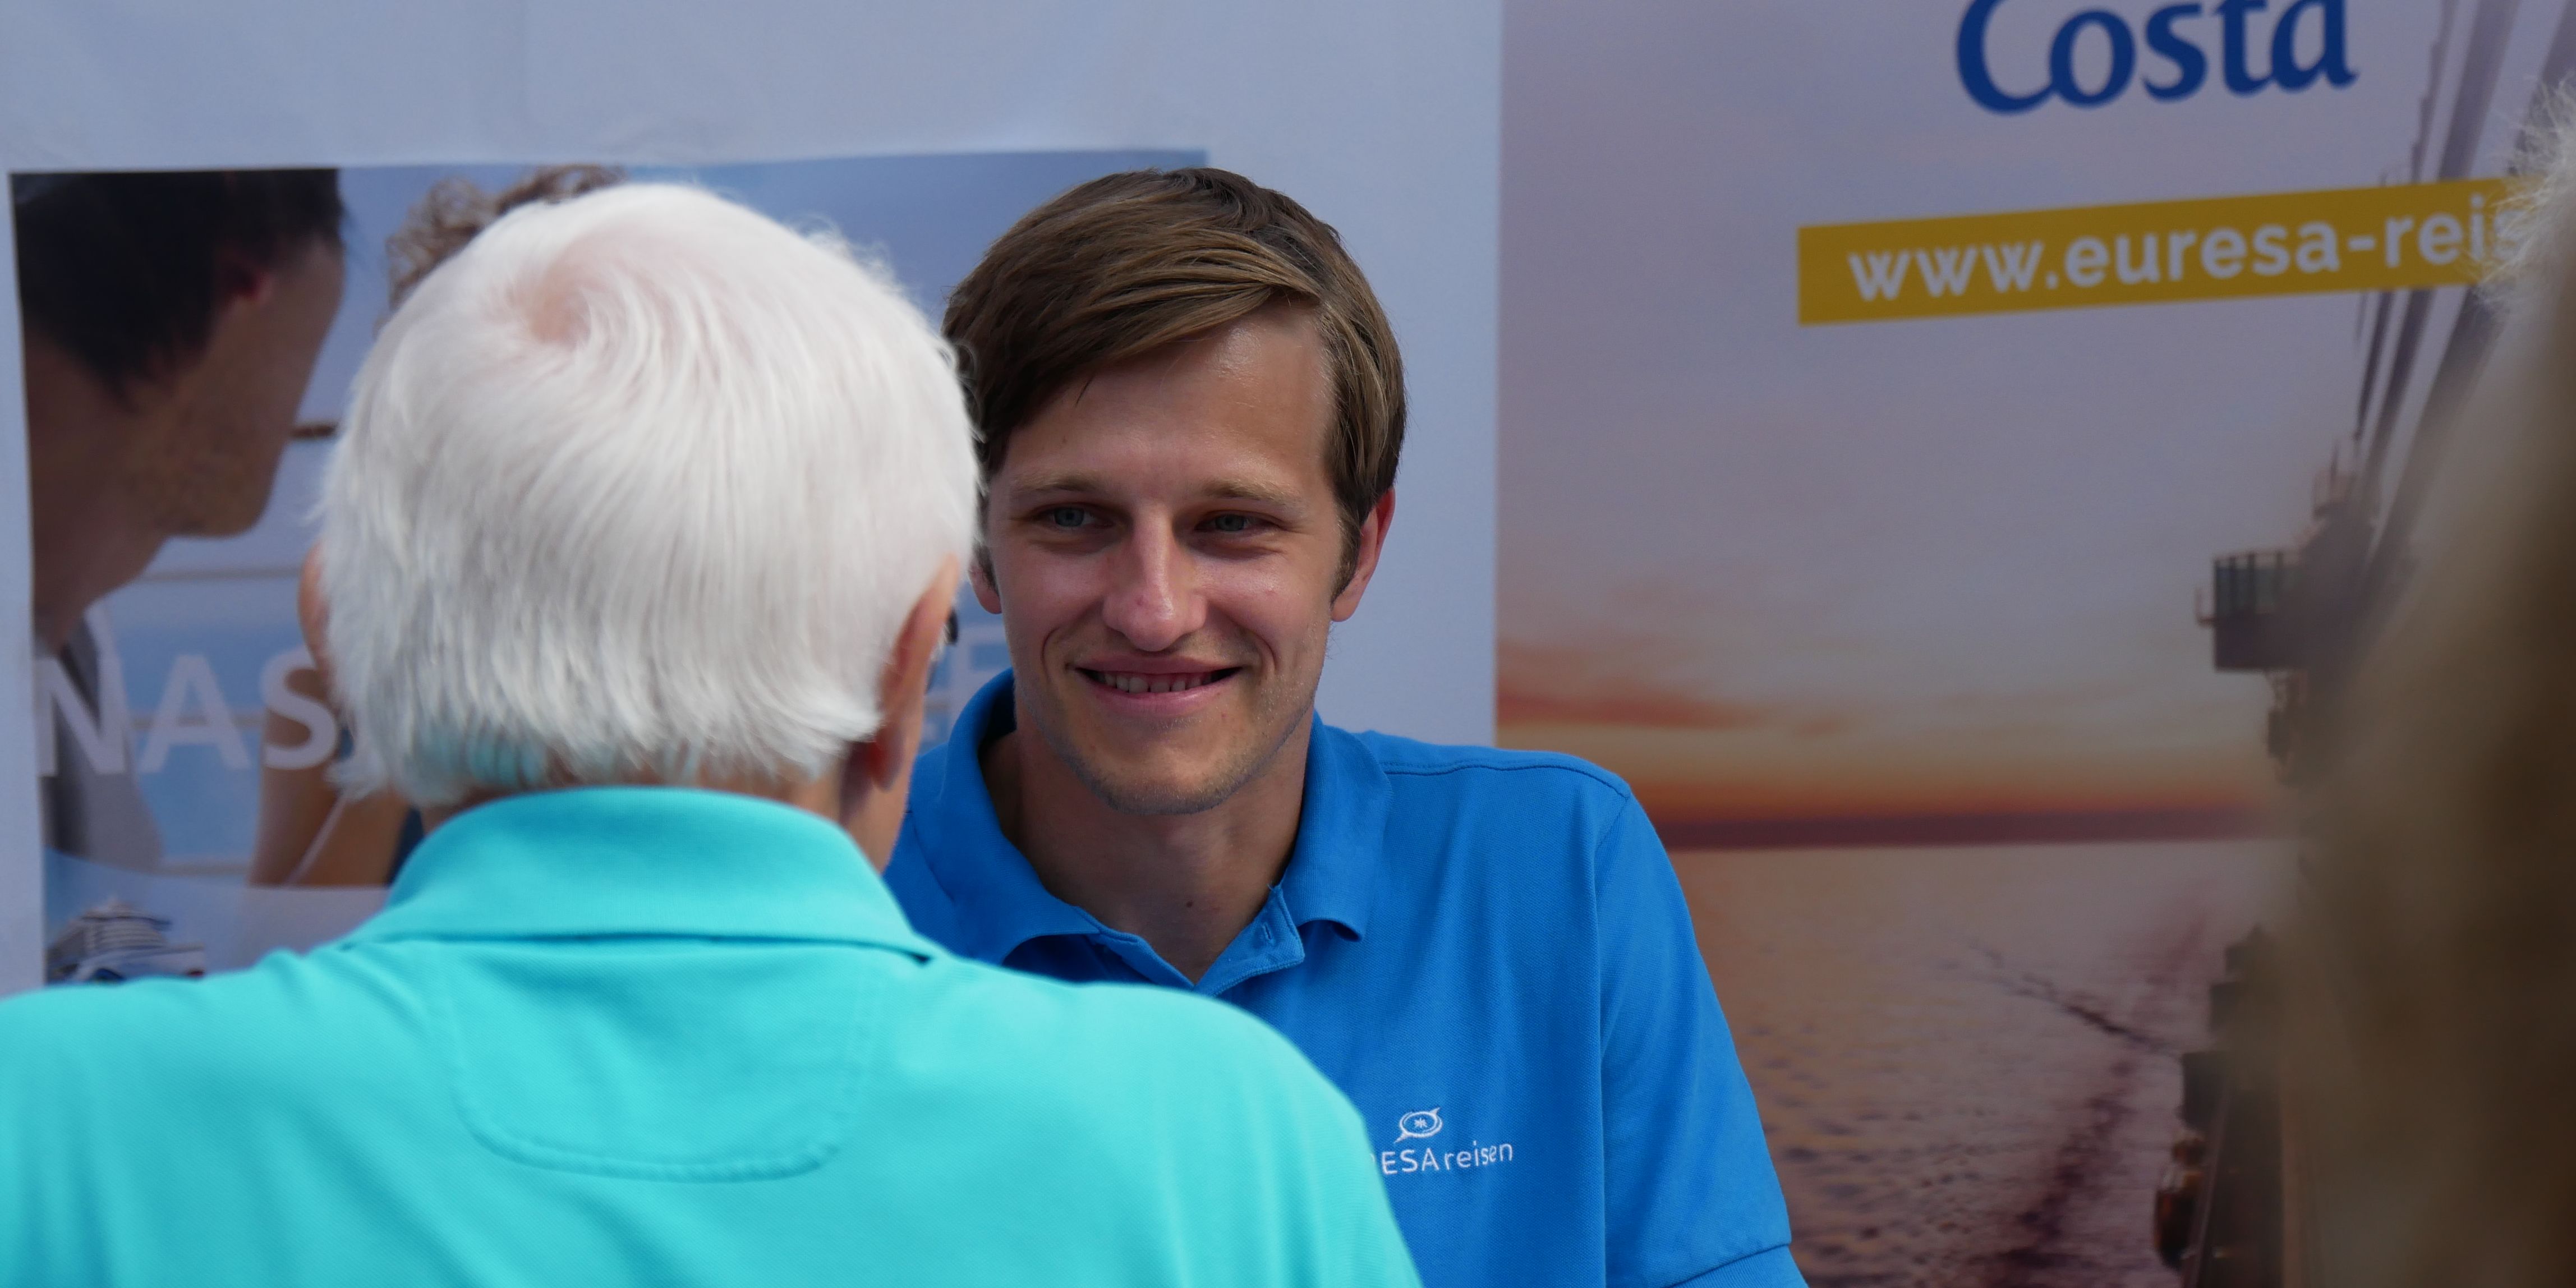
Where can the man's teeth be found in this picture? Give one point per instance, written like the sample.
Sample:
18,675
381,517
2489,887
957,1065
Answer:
1156,683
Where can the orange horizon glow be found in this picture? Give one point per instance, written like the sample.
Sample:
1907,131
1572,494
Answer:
1718,774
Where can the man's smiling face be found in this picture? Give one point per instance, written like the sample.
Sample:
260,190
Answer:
1165,552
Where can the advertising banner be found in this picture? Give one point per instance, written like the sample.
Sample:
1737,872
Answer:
1941,445
183,749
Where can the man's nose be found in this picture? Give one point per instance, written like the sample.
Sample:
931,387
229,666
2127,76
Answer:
1155,602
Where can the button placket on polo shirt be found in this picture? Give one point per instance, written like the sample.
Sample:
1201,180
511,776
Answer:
1270,943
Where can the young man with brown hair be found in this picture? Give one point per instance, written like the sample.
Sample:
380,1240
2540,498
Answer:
1192,408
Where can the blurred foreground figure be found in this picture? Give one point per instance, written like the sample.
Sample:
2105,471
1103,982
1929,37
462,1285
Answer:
2444,1077
636,549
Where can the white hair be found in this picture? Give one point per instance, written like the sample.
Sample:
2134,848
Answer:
640,485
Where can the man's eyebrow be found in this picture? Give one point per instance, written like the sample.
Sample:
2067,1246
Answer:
1263,493
1222,490
1067,482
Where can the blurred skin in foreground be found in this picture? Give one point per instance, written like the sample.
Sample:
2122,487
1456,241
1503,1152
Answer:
2436,1040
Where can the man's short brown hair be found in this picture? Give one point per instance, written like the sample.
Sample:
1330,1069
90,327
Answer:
1128,263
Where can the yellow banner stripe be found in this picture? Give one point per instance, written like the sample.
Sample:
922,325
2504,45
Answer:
2289,243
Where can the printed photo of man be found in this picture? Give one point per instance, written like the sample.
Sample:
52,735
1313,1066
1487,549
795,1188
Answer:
1192,410
169,323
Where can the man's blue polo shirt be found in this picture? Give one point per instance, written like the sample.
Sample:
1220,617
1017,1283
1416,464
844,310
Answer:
663,1036
1488,952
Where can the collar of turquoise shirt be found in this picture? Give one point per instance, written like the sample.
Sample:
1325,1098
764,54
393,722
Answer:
1332,871
641,861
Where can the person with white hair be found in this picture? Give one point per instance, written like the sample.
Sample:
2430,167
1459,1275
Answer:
636,551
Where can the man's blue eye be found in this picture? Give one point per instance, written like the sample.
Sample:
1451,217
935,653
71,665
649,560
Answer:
1064,516
1231,523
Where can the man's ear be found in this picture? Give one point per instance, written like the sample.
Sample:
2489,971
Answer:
241,280
1370,544
878,773
981,578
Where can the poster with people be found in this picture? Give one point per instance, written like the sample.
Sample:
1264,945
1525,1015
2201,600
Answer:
192,336
1941,446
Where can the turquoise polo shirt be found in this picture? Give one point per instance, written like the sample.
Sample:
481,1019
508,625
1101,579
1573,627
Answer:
657,1035
1488,951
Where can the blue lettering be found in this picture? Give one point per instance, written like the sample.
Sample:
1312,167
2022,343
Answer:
2167,40
2240,78
2061,58
2286,71
1972,64
2190,65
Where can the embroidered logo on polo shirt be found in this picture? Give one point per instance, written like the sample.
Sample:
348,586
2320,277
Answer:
1423,1124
